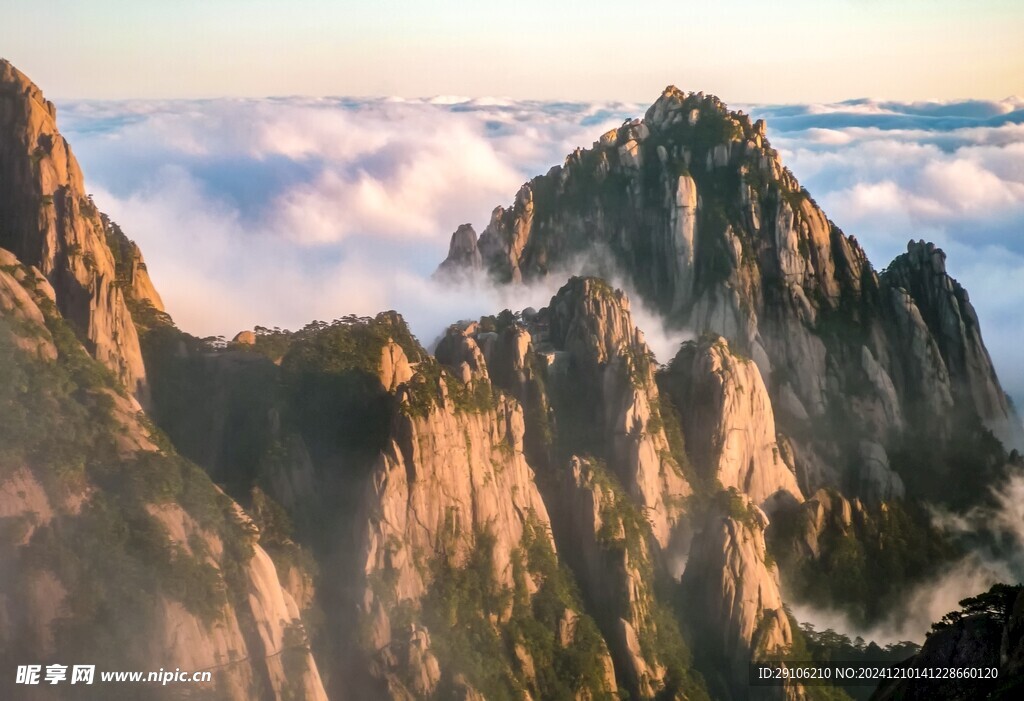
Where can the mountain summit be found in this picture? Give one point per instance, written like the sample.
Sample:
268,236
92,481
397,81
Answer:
693,207
50,223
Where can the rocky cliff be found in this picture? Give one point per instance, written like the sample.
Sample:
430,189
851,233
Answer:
596,349
535,511
732,591
452,493
116,550
729,420
693,206
963,370
610,553
49,222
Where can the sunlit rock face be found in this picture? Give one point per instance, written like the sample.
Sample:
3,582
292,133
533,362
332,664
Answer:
537,510
591,323
730,424
452,491
124,554
732,590
51,223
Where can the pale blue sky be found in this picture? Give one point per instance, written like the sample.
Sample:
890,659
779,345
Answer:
744,51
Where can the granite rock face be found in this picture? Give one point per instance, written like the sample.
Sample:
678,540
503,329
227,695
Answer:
536,510
218,605
730,424
590,323
463,253
613,560
735,601
50,223
694,207
946,312
452,477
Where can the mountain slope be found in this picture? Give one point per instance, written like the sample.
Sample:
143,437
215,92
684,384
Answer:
116,550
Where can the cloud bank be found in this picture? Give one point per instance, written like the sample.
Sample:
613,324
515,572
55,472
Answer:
280,211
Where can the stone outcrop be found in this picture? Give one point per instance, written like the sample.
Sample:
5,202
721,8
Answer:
463,254
826,513
452,476
729,423
443,478
132,273
598,351
50,223
732,593
947,313
21,307
216,604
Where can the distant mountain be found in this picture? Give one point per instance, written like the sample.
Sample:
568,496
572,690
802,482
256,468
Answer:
694,208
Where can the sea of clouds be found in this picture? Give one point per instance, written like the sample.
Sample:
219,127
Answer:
280,211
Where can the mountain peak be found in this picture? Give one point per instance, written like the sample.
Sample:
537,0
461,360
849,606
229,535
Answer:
693,207
50,223
13,80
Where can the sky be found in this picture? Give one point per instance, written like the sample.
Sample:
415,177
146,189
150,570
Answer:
741,50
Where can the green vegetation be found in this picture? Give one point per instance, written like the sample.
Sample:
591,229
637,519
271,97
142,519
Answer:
331,380
423,390
623,526
295,658
575,418
737,507
957,471
474,397
562,671
624,534
995,604
810,645
276,531
668,417
474,634
863,569
112,555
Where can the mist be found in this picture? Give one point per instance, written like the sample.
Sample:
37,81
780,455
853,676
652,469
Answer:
994,536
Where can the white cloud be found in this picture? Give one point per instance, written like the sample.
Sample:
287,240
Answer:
257,211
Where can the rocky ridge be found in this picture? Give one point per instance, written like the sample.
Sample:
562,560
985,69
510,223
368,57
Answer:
510,517
50,223
693,206
731,425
